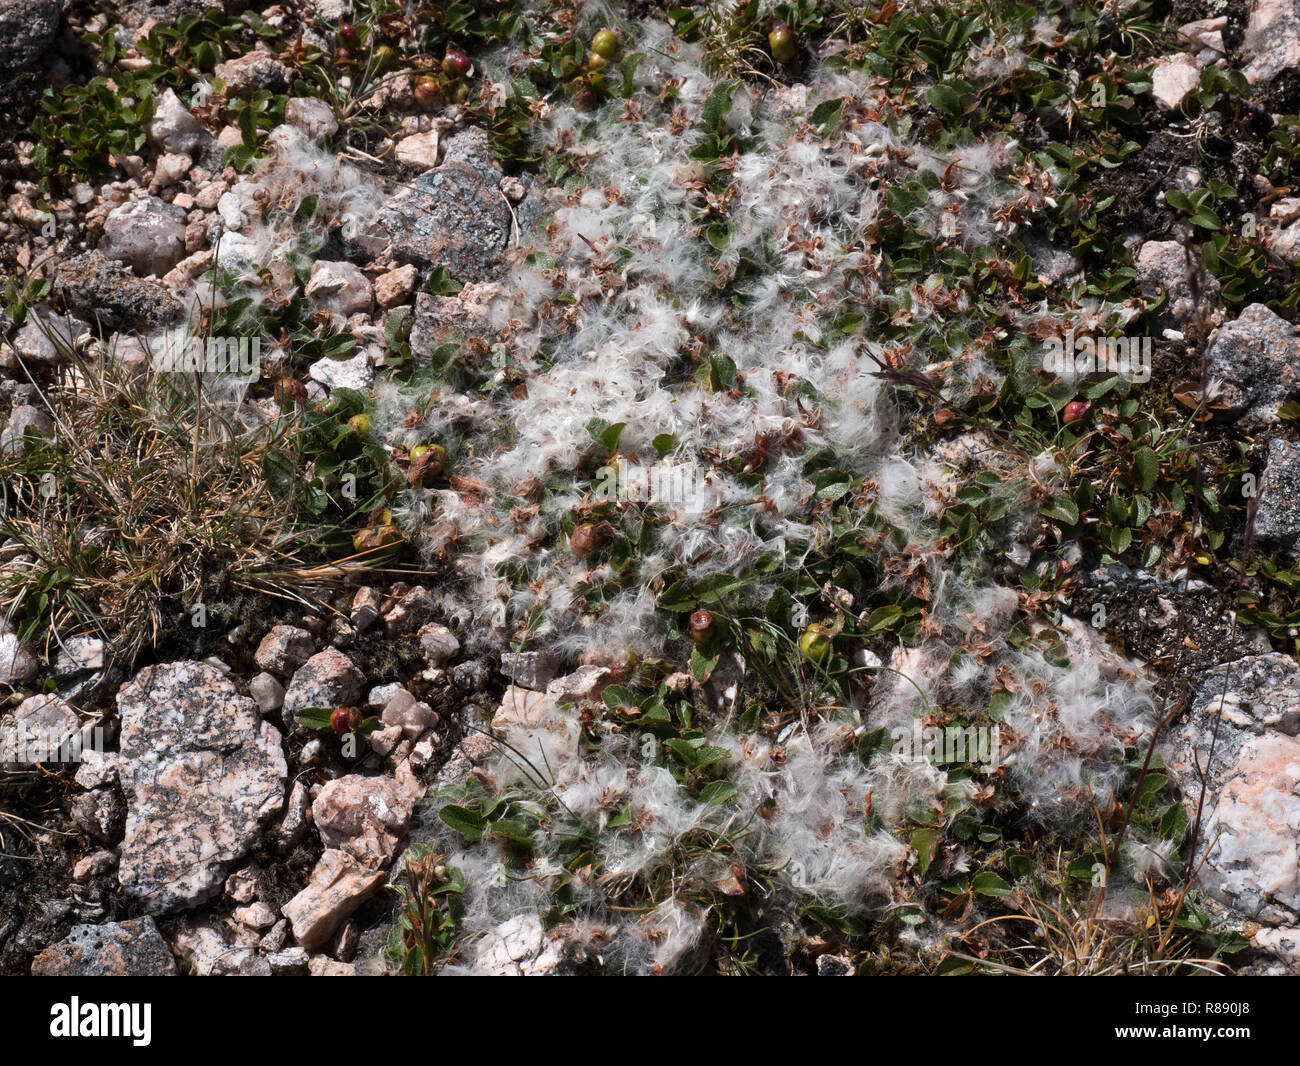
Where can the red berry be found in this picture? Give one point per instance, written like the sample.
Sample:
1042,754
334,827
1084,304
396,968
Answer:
1075,410
340,720
701,625
455,63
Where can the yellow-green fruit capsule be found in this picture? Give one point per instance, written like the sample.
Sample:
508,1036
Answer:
782,43
605,44
816,643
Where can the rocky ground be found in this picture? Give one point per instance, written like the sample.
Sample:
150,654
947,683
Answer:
495,487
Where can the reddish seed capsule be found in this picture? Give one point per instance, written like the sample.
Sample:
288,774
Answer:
290,391
701,625
587,537
340,720
427,92
455,64
1075,410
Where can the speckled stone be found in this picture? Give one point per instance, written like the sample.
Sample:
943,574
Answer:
202,774
100,288
338,886
327,679
1257,358
1277,519
455,215
364,816
26,29
117,949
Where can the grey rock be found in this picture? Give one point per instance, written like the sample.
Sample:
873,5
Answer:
147,234
834,966
1277,517
291,962
246,74
438,643
355,372
27,28
531,669
98,769
363,816
1163,266
1256,357
585,684
455,215
267,692
44,338
1271,42
1254,695
284,649
40,727
133,948
175,129
327,679
471,676
314,117
21,419
99,288
202,775
1052,265
17,664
